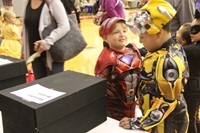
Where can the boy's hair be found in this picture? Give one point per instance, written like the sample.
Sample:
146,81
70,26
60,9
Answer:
108,25
185,33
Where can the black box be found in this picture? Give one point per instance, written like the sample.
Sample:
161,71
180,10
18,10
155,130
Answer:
82,107
12,74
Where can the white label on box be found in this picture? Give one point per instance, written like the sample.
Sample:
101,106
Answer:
37,93
4,61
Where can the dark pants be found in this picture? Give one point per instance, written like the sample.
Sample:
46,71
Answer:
41,70
193,103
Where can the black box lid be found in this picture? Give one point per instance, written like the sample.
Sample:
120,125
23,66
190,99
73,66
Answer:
14,69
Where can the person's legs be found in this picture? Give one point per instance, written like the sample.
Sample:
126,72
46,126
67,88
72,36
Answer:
193,106
39,68
78,19
56,68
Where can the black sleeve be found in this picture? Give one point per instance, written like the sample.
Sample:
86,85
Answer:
192,50
143,51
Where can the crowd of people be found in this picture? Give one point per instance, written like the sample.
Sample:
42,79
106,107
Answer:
162,78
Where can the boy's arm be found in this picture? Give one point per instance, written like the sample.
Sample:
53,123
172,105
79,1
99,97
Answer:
143,51
156,114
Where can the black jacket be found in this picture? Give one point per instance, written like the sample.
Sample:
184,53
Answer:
193,56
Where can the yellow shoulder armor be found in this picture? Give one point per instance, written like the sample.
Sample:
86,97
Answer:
169,75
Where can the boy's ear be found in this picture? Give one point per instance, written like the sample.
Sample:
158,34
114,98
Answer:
160,32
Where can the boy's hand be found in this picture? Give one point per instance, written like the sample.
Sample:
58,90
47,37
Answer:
125,123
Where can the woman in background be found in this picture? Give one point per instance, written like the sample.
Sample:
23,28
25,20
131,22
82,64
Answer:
36,18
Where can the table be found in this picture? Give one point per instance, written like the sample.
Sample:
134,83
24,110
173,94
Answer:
112,126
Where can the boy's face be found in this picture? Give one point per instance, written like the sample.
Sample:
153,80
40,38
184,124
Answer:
117,39
195,37
150,41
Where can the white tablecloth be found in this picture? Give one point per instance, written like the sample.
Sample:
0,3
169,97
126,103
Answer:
112,126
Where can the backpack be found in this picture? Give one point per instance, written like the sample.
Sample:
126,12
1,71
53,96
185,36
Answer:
95,8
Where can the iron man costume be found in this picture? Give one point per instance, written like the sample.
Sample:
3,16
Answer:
121,70
164,75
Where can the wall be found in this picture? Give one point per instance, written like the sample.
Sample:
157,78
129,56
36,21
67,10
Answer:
17,7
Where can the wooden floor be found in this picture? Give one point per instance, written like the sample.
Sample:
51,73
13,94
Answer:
86,60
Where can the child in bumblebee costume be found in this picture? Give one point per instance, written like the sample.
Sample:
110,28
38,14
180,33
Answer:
119,64
164,72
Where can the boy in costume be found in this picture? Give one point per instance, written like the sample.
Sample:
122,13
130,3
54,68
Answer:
164,72
120,65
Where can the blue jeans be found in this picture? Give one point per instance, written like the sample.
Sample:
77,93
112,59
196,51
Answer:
41,70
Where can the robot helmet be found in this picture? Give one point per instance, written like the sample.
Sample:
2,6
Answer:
153,16
107,26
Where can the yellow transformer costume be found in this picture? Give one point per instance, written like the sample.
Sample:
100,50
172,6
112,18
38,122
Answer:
163,76
161,90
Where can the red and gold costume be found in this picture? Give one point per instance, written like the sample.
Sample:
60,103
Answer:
121,69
